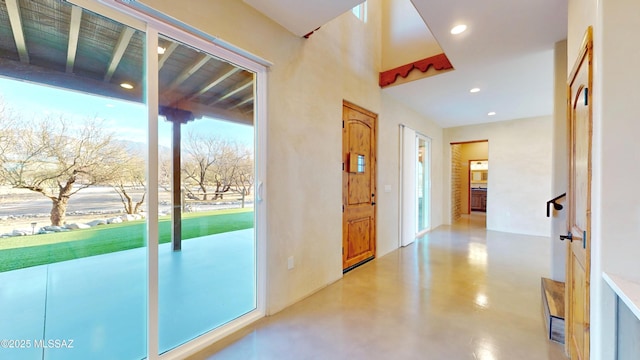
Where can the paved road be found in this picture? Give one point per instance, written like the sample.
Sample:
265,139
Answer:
86,200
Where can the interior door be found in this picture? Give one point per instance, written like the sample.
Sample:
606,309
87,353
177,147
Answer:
579,219
358,185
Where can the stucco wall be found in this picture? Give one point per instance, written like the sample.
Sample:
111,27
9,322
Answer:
560,171
307,83
519,175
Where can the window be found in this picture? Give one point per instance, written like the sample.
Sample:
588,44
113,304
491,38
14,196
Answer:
360,11
130,184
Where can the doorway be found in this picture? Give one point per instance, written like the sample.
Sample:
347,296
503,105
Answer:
358,185
463,156
415,185
478,184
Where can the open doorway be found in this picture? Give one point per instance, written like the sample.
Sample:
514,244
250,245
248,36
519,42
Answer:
469,180
478,185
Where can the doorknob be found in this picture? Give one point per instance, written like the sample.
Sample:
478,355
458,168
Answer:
569,237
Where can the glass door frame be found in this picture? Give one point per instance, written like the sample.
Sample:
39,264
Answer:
153,23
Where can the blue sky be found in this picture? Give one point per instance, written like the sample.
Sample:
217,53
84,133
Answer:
126,119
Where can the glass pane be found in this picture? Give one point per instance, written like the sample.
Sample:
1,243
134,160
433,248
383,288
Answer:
423,179
72,184
207,266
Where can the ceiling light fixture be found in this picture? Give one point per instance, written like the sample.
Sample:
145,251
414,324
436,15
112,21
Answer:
474,90
491,113
161,50
458,29
127,86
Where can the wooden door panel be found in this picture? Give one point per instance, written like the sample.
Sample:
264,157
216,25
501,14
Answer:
578,308
359,240
580,103
359,145
358,185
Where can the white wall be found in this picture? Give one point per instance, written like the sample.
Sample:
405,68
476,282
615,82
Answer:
560,171
307,84
519,176
393,114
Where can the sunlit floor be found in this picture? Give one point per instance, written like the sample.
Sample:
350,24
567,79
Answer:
98,304
462,292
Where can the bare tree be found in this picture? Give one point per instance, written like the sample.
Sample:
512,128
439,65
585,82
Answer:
244,178
165,173
7,132
202,154
130,180
58,158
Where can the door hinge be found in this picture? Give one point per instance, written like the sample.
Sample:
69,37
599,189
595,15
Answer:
343,250
343,124
342,166
342,208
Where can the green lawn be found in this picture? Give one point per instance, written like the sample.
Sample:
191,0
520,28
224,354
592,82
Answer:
26,251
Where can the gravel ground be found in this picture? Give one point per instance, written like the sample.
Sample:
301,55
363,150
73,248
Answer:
20,208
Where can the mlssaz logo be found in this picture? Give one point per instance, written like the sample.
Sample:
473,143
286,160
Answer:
53,344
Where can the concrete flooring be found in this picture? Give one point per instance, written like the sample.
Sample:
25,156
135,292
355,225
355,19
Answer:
460,293
99,303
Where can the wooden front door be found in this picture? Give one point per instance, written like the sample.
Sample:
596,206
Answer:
358,185
580,103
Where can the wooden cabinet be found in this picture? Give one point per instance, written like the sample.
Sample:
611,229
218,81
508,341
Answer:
479,176
478,200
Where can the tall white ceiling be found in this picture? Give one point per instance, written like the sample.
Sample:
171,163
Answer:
302,17
507,52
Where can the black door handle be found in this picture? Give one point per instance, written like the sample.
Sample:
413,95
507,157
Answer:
569,237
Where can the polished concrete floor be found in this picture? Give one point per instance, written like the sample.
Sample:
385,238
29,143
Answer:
461,292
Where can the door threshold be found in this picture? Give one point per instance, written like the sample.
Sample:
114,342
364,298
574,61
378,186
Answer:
358,264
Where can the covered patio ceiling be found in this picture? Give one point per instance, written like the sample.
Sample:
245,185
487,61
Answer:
59,44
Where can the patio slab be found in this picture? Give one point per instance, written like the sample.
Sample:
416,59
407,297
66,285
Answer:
98,303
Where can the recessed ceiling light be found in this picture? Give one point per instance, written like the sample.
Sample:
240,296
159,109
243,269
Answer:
458,29
161,50
474,90
127,86
491,113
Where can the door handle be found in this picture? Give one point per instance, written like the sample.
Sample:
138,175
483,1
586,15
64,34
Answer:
569,237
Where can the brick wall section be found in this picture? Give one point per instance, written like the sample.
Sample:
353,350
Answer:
456,179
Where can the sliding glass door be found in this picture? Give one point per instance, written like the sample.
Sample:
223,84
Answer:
207,254
130,167
416,185
423,183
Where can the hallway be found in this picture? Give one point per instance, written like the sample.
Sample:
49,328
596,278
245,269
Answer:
461,292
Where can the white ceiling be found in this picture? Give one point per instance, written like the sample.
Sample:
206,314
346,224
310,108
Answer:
302,17
507,51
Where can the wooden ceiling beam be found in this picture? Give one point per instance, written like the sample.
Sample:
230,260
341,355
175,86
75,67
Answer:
190,70
215,81
40,75
167,53
13,8
74,35
118,52
233,92
243,102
